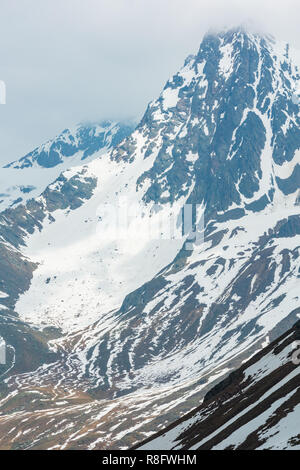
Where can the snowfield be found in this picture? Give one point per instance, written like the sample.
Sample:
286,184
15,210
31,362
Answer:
84,272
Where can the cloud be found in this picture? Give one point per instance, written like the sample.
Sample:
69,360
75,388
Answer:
66,61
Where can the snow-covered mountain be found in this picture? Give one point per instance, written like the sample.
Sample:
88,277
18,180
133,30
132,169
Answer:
71,148
256,407
143,324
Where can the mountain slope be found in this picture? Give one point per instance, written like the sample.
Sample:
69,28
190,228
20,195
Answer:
256,407
28,177
148,324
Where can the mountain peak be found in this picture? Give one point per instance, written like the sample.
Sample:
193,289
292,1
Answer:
82,140
27,177
238,87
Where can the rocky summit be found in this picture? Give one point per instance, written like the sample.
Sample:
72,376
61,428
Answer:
27,177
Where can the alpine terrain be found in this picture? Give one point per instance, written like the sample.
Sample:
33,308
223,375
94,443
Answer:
113,332
71,148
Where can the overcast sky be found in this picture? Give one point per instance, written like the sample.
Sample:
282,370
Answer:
68,61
